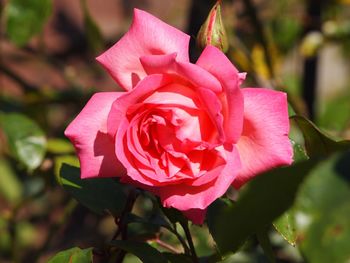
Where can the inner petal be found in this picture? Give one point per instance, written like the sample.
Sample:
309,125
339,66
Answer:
174,94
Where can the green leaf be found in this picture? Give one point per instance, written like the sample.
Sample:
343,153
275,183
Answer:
26,140
60,160
316,142
174,215
157,220
260,202
142,250
59,146
285,225
323,210
265,244
99,195
299,153
25,18
291,111
73,255
336,114
10,186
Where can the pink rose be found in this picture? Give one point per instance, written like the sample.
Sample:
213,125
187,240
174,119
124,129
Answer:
184,131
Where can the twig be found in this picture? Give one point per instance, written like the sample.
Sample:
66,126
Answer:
309,80
190,241
182,241
264,241
166,245
122,222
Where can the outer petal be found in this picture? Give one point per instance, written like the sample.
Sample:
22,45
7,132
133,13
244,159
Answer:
186,197
264,143
88,133
215,62
197,216
147,36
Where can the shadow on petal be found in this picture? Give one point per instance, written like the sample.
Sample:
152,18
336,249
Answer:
104,147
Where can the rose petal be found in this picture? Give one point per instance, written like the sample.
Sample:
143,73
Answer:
264,143
147,36
174,94
123,103
214,109
88,133
166,64
215,62
153,64
197,216
198,77
187,197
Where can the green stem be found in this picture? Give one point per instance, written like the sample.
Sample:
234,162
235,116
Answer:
122,222
166,246
265,244
179,237
190,241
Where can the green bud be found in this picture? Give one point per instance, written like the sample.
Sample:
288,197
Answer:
212,32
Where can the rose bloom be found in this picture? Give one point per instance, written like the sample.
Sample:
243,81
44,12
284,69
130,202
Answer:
186,132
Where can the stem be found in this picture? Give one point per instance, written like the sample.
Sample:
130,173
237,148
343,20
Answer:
121,221
179,237
260,34
122,224
166,246
309,81
190,242
263,238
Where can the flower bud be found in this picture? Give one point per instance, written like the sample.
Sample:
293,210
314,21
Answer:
212,32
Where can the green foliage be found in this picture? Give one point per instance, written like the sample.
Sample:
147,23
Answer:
260,202
265,244
26,140
73,255
177,258
157,221
10,186
25,18
286,30
308,203
99,195
59,146
59,161
322,211
142,250
285,225
174,215
339,105
316,142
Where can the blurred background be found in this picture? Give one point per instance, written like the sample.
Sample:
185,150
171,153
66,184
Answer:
48,72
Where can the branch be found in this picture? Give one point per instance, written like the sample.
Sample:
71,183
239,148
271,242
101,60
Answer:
190,242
